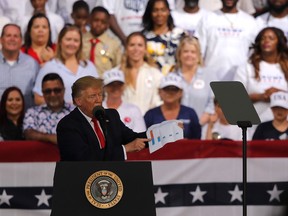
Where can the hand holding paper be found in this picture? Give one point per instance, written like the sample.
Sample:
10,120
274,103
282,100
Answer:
165,132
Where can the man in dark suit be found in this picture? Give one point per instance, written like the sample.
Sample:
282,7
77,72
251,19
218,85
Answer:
77,139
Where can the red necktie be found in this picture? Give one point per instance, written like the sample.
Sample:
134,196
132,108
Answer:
99,133
93,42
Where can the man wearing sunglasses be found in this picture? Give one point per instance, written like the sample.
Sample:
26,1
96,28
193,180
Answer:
40,121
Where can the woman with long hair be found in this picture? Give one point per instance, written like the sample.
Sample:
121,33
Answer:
142,78
37,39
267,70
68,63
12,108
161,33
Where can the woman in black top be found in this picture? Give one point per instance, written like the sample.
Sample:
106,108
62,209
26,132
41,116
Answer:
11,114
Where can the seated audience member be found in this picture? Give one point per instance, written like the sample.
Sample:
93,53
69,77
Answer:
130,114
56,21
171,92
40,121
266,71
68,63
80,15
37,39
98,46
277,129
11,114
162,35
142,78
219,128
16,68
79,133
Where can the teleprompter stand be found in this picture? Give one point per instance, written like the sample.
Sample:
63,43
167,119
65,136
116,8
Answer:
103,188
238,110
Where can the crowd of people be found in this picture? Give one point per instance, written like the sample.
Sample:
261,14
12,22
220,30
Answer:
156,58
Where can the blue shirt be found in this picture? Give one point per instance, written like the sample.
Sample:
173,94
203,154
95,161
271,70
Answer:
21,74
192,128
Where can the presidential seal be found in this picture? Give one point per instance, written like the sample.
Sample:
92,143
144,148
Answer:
104,189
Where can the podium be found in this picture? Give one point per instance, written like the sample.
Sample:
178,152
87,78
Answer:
103,188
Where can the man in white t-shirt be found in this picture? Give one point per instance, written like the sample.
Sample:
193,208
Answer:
189,16
225,37
277,16
211,5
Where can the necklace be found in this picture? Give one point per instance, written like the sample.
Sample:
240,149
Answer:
232,23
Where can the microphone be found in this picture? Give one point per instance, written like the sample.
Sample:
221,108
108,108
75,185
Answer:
99,114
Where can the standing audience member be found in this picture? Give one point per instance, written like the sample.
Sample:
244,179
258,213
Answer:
196,79
56,21
40,121
219,128
171,93
130,114
98,46
162,35
68,63
277,129
212,5
188,16
276,16
16,68
225,37
3,21
12,110
142,79
80,15
37,39
13,9
64,8
267,70
125,18
79,135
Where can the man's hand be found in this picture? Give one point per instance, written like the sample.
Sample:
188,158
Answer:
136,145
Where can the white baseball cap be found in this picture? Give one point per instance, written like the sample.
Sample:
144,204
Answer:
171,80
113,75
279,99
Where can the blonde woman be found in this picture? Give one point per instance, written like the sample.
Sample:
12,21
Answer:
68,63
196,80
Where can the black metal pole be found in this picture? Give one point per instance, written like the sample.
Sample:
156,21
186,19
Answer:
244,125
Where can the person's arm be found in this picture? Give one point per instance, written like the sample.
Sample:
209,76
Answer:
213,118
115,28
38,99
31,134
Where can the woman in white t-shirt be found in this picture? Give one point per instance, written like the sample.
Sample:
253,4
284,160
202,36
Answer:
267,70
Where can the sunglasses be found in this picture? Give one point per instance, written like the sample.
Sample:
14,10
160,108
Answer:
55,90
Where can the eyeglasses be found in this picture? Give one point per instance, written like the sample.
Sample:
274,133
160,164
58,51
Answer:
49,91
